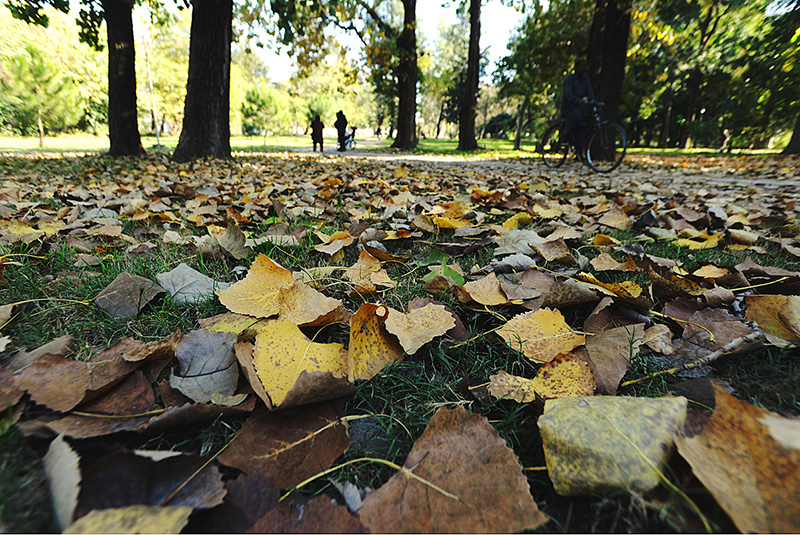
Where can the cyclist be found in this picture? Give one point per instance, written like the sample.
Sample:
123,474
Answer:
577,92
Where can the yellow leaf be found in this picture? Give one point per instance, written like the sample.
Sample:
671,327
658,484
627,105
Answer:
283,355
540,335
368,272
513,222
603,239
449,222
628,289
419,326
372,347
702,241
710,272
133,519
269,290
486,291
506,386
564,376
547,213
778,315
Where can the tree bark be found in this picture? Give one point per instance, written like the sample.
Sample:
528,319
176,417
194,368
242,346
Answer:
206,122
667,118
521,112
41,127
469,104
407,79
123,125
692,95
794,144
608,50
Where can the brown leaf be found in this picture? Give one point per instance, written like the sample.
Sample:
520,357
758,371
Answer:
486,291
659,338
62,384
233,242
461,454
302,515
61,346
610,353
127,295
126,478
749,458
367,273
554,251
778,315
288,446
157,350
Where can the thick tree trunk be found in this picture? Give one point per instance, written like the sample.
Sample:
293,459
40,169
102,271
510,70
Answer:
608,50
469,104
123,126
692,95
794,144
206,121
407,79
521,112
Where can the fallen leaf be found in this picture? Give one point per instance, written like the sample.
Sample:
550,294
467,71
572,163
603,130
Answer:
596,445
372,347
288,446
503,385
134,519
749,458
127,295
616,218
554,251
207,365
465,457
292,370
61,465
62,384
540,335
234,242
610,353
564,376
486,291
419,326
778,315
128,478
187,285
301,515
368,273
659,338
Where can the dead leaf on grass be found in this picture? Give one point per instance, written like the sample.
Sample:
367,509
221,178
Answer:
778,315
134,519
485,291
207,365
610,352
419,326
372,347
288,446
540,335
464,456
187,285
749,458
127,295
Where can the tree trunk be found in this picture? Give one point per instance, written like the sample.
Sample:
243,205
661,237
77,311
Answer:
667,118
521,112
608,49
407,79
692,94
123,126
794,144
41,127
439,121
206,120
469,104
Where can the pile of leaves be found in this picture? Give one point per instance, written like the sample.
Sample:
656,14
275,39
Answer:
542,305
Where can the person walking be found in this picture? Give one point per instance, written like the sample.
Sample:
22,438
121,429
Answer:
577,91
316,133
341,128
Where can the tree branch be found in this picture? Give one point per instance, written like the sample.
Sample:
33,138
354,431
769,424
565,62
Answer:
388,30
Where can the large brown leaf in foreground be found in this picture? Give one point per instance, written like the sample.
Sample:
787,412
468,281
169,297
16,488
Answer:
288,446
462,454
749,458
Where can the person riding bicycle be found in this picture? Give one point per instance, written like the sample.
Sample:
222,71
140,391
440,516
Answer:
577,92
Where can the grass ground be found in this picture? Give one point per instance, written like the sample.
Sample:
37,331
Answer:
409,392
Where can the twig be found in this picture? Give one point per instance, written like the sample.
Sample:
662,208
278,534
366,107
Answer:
744,343
660,315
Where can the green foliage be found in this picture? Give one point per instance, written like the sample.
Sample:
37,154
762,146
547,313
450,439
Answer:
40,95
264,110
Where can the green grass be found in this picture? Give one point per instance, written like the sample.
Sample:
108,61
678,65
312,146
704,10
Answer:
403,398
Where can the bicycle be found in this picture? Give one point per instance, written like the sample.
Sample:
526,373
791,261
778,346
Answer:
604,145
350,140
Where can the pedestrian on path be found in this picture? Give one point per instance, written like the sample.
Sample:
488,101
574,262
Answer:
316,132
341,128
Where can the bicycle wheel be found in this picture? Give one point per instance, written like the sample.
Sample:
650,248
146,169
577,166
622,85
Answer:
605,147
350,144
554,150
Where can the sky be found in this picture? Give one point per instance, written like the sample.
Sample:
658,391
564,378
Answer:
497,23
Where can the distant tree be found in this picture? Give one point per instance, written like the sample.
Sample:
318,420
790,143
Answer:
206,117
123,129
264,110
469,104
608,50
40,95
